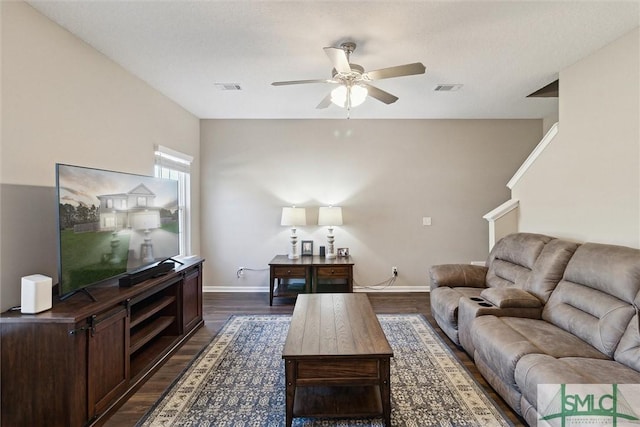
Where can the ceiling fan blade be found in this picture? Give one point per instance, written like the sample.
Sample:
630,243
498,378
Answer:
299,82
380,94
325,102
338,58
397,71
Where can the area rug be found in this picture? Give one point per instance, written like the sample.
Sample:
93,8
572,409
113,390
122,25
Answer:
238,380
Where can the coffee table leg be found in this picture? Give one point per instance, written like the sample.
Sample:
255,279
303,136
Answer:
385,390
290,381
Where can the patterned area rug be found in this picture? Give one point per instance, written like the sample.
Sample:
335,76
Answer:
238,380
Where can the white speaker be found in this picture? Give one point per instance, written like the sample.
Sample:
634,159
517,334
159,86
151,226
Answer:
36,294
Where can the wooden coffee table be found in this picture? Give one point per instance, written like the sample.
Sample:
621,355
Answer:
336,359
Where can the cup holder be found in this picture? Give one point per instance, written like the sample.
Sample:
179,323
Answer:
476,299
485,304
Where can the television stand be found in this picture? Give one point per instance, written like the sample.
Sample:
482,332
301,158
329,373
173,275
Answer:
83,290
76,363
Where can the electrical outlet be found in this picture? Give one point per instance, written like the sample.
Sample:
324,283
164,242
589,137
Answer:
394,271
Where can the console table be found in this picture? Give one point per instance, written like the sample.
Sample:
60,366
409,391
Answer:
309,274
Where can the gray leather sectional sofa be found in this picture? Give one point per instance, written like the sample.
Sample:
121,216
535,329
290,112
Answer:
544,311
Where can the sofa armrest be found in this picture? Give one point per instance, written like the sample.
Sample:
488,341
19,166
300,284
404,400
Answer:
458,275
510,298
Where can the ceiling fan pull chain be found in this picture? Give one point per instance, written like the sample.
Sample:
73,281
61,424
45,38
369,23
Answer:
348,105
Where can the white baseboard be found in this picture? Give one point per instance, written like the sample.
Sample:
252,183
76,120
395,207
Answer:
395,289
238,289
245,289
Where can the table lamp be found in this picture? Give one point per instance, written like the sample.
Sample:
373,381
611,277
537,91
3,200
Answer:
330,215
293,217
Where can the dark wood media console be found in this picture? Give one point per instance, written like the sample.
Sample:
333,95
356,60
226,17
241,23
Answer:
74,364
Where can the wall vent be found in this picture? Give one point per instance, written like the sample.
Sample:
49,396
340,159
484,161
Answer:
227,86
447,88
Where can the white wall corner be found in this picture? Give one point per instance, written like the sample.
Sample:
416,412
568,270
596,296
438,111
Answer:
553,131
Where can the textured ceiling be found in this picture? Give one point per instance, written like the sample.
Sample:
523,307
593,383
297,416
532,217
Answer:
499,51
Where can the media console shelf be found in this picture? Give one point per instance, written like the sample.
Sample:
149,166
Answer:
79,361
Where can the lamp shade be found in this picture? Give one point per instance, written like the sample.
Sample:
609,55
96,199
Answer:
293,216
356,93
330,215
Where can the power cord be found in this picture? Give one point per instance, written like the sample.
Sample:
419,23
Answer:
241,271
378,286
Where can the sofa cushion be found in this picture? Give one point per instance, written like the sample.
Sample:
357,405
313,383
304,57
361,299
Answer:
614,270
534,369
573,308
512,258
469,309
628,351
549,268
594,300
510,298
502,341
529,412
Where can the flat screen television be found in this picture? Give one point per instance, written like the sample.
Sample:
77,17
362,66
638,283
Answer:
111,224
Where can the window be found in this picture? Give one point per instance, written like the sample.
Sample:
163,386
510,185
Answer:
174,165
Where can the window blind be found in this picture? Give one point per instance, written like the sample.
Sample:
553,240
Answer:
166,158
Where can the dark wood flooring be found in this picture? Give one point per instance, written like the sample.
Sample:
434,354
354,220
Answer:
218,307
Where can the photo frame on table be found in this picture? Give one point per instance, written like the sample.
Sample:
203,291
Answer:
343,252
306,248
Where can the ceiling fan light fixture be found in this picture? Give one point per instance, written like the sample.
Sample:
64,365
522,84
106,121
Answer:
341,95
354,84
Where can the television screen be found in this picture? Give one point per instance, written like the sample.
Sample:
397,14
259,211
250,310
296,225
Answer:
112,223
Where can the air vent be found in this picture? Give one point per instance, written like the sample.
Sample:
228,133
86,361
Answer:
447,88
227,86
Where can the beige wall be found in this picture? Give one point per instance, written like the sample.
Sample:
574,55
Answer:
63,101
387,175
586,184
548,122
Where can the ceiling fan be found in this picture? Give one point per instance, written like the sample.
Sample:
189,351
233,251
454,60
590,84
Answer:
353,81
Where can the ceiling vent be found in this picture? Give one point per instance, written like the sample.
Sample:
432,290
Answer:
447,88
227,86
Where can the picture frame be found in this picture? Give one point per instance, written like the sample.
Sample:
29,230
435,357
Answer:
306,248
343,252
